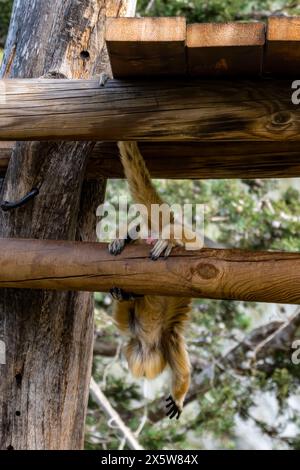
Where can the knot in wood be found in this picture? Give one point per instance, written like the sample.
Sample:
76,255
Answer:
281,118
207,270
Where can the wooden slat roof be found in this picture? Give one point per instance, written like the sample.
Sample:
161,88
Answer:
168,47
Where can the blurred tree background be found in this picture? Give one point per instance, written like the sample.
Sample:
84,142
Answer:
245,388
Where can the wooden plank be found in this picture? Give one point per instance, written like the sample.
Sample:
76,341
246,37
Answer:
208,273
283,46
146,46
194,160
225,49
162,110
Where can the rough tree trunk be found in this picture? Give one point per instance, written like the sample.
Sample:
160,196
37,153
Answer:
49,335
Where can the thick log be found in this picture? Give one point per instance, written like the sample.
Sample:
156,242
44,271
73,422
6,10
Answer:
165,110
49,335
225,49
211,273
194,160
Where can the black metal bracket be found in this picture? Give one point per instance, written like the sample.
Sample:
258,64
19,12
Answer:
8,206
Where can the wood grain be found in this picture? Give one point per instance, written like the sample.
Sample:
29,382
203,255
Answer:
283,46
193,160
146,46
171,110
225,49
203,160
209,273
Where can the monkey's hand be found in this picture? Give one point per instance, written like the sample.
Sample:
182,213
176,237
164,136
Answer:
175,235
160,247
172,409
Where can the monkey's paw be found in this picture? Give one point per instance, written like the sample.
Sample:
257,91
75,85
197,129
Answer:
174,409
161,246
117,246
121,295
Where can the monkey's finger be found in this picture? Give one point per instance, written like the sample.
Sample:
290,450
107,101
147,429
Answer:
170,404
116,293
168,250
178,414
116,247
170,411
170,398
173,413
158,249
119,295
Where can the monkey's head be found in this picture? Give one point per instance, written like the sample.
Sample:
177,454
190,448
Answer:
147,361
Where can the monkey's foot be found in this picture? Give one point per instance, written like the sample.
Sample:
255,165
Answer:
117,246
161,246
174,409
121,295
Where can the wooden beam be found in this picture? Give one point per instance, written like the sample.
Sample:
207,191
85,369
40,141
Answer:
283,46
225,49
204,160
146,46
194,160
216,274
177,110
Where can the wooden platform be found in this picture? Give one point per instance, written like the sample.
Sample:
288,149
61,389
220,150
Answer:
168,47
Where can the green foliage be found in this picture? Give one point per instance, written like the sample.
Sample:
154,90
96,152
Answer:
5,12
217,10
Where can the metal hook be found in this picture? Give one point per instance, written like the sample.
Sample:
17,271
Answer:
8,206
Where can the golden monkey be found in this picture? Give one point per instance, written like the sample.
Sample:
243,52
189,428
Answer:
153,324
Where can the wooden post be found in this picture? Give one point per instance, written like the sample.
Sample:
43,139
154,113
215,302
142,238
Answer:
49,335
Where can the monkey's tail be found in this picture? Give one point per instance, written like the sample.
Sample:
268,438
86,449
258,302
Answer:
138,176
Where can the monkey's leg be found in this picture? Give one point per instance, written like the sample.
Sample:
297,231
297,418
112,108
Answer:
123,315
179,362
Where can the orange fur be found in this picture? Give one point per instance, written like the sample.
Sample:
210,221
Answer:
154,324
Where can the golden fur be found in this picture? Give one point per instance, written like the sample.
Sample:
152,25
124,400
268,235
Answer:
154,324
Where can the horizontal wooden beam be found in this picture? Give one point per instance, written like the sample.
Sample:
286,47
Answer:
209,273
204,160
165,110
194,160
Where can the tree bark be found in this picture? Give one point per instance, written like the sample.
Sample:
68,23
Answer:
49,335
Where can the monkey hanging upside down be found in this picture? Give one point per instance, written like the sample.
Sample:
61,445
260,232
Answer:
154,324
